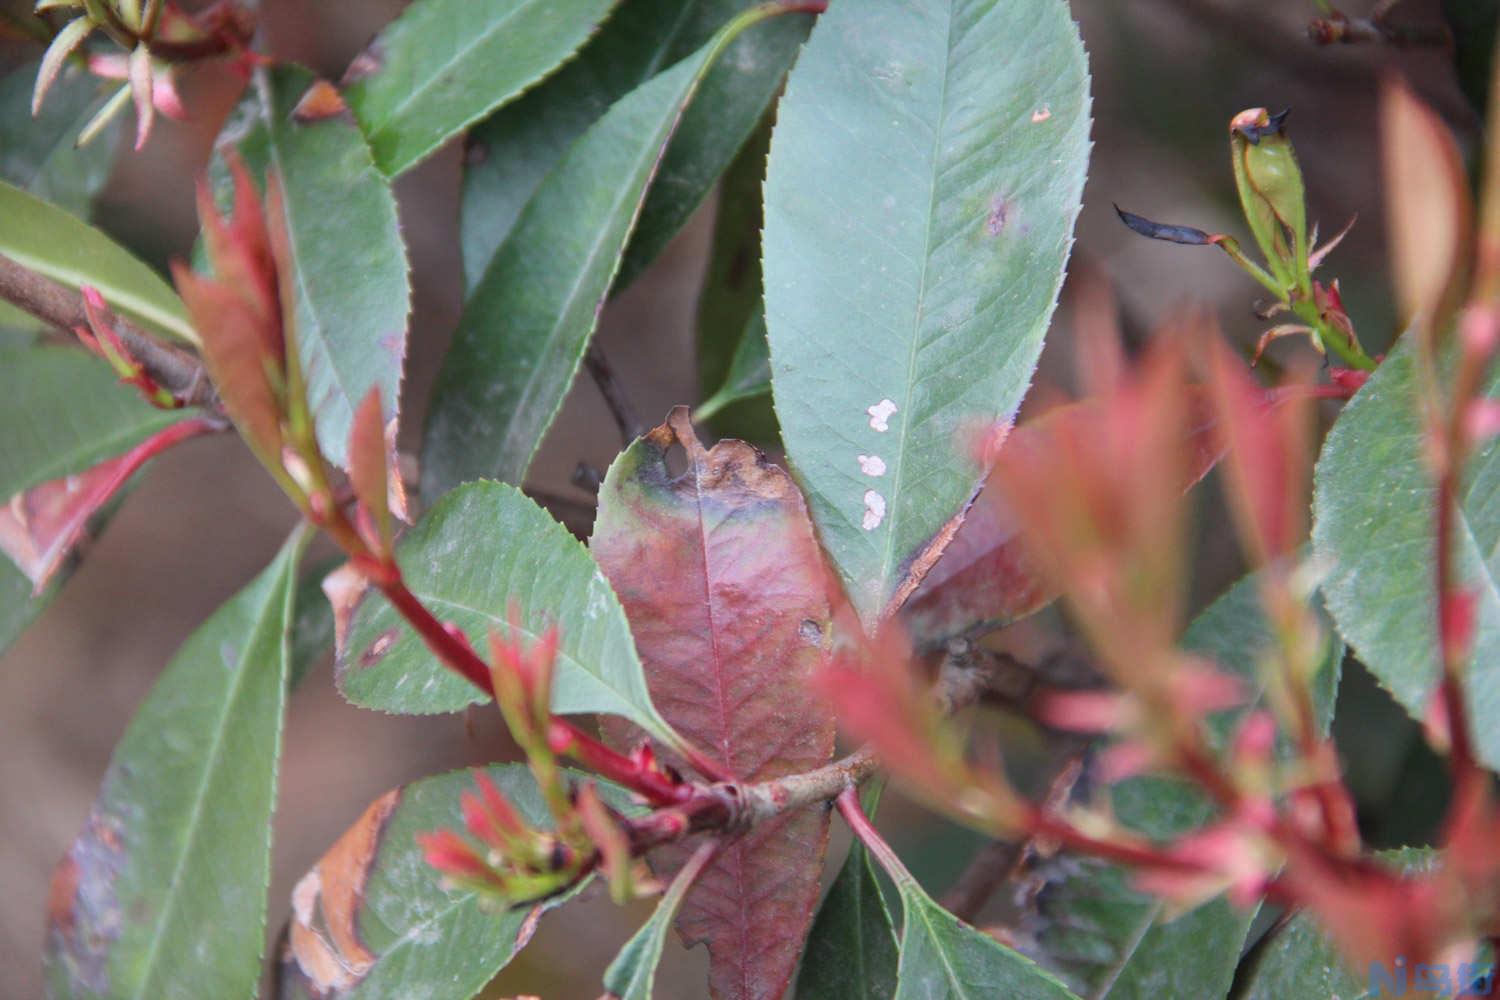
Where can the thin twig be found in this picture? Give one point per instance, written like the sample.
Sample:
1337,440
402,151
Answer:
177,371
619,405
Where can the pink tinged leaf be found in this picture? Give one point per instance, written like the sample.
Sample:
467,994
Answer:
988,576
1428,207
724,587
40,527
1267,441
141,92
62,46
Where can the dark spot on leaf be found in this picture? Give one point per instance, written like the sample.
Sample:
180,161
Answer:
1000,208
377,649
811,632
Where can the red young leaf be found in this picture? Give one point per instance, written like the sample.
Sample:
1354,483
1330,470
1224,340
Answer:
725,591
238,312
368,471
40,527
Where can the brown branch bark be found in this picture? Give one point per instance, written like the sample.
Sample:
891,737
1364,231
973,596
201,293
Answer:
178,371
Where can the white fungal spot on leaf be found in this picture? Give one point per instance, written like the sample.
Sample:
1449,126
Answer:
880,415
874,510
872,465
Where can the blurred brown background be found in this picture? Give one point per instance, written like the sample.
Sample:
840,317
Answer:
1168,74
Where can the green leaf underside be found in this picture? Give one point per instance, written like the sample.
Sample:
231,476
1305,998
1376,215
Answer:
926,170
350,277
851,950
512,151
163,895
1374,502
1104,937
417,939
526,326
63,412
632,973
731,305
482,549
444,64
72,253
39,154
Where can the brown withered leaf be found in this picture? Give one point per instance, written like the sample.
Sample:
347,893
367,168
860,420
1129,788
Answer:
323,949
724,587
985,578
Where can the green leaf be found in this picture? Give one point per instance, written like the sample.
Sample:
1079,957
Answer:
731,308
444,64
39,154
482,550
72,253
1103,936
632,974
18,608
371,921
1373,507
312,631
749,375
943,958
164,892
525,328
512,151
350,276
851,950
1299,963
906,300
63,411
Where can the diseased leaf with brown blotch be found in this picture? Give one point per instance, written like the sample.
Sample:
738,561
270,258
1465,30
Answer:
725,591
373,920
985,579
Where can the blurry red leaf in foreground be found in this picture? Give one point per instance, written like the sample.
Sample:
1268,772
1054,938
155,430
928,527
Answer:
1269,455
40,527
722,582
986,578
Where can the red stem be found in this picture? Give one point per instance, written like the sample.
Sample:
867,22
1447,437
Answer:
447,645
661,790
